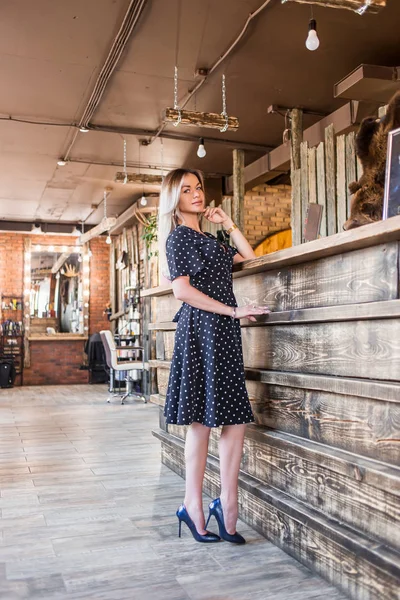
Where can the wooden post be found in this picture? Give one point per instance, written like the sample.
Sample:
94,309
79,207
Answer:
238,189
330,171
321,186
351,164
341,182
304,183
296,116
113,276
312,175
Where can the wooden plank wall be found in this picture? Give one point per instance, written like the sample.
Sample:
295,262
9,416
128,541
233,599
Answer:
320,474
323,178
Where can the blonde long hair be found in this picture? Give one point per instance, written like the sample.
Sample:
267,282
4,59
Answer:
169,214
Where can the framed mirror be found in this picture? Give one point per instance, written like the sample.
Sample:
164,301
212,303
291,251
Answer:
56,291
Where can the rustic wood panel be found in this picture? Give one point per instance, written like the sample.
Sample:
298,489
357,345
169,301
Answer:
372,511
346,558
351,312
296,223
304,191
321,187
238,188
168,342
341,187
160,349
362,388
326,479
312,175
162,381
351,165
366,349
367,427
361,276
330,169
166,308
346,386
200,119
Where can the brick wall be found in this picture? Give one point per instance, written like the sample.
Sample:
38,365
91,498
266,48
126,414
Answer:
11,263
266,210
99,284
57,362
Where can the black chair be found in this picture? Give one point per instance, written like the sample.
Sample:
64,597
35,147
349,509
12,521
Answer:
97,365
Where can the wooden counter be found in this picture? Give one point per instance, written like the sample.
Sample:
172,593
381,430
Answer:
320,473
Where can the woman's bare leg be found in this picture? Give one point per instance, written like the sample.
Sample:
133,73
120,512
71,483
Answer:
230,456
196,448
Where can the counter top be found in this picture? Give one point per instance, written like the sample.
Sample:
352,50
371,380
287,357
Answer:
356,239
57,337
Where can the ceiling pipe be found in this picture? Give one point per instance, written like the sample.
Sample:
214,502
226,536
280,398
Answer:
171,135
129,22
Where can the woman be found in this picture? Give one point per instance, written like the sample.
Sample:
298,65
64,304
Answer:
206,385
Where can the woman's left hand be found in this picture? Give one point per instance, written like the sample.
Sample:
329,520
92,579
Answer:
216,215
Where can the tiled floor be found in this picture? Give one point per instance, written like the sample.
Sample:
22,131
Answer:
88,512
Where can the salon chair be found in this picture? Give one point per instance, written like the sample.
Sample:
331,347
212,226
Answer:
116,365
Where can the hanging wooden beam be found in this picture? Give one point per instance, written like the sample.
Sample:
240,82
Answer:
371,6
138,178
200,119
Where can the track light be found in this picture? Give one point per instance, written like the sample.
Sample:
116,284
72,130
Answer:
312,41
83,129
201,151
61,162
143,200
108,239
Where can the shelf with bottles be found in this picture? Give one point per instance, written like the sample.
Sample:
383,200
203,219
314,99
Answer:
11,329
11,303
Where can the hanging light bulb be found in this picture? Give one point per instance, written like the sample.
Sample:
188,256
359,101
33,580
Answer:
143,200
58,275
83,129
201,151
312,41
61,162
108,239
79,257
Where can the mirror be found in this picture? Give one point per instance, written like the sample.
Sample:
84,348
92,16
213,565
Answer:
57,290
56,295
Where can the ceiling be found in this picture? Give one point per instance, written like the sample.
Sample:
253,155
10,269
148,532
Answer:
51,54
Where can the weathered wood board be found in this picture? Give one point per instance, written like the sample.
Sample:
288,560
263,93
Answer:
343,556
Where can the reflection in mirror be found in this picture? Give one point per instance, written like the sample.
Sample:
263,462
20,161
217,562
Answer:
56,292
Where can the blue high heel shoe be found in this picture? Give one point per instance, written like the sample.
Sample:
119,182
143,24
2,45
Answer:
183,515
215,509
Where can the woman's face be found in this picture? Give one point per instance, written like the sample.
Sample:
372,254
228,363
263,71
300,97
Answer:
191,199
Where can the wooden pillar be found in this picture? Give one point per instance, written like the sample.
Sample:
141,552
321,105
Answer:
113,276
238,189
296,116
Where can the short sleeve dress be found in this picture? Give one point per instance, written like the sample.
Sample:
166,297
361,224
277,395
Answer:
206,383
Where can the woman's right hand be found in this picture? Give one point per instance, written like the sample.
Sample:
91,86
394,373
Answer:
250,310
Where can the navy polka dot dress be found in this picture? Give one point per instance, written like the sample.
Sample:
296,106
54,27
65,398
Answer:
206,383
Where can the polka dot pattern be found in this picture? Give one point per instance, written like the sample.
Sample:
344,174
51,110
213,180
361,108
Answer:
206,383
